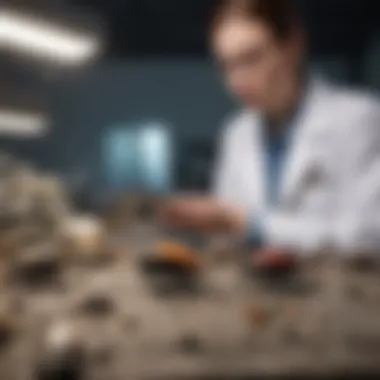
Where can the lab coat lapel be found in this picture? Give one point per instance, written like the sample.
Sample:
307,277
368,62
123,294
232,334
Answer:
302,152
253,185
259,180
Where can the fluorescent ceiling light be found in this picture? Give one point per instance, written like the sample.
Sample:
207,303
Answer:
41,39
22,124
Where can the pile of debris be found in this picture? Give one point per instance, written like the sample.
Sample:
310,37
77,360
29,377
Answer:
33,206
38,227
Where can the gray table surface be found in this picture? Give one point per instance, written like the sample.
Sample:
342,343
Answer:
230,342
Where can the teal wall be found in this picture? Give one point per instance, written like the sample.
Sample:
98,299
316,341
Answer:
185,95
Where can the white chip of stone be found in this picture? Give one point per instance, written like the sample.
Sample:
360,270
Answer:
60,335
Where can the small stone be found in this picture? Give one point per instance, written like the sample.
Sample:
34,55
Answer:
190,344
38,266
363,343
86,240
98,305
258,316
291,335
38,273
363,264
8,319
63,353
61,336
6,330
64,365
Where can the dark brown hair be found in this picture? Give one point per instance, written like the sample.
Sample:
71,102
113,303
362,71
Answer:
281,16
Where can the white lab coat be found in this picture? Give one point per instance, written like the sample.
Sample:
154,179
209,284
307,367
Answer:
330,191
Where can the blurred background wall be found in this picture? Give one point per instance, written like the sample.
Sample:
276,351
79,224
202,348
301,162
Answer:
154,72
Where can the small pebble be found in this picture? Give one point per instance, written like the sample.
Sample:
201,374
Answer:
68,365
190,344
38,273
98,305
6,332
64,356
291,335
257,316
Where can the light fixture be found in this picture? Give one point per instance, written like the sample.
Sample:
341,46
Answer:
14,123
35,36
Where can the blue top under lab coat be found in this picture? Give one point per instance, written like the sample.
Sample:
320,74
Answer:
276,147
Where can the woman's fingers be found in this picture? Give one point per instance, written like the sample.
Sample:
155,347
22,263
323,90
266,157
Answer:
273,258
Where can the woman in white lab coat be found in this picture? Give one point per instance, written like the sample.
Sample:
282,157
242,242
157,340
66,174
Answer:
299,166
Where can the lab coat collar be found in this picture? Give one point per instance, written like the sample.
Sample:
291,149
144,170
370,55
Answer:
310,121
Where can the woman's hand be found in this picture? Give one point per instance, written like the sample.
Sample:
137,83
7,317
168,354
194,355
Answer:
203,214
273,258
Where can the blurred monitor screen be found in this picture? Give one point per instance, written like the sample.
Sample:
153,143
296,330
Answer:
138,157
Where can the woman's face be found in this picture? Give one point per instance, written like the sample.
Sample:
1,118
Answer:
257,67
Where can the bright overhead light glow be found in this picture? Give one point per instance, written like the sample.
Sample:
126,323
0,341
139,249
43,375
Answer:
37,37
22,124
